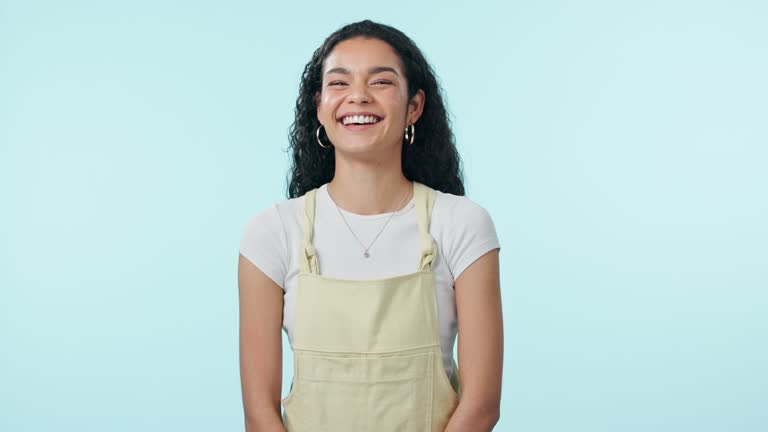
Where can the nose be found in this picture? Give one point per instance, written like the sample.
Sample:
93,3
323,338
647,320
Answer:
358,92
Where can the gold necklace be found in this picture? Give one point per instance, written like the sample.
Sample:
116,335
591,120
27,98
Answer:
365,249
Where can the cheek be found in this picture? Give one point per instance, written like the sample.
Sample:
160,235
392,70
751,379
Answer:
328,104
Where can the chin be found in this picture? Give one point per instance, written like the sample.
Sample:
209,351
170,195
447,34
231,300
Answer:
360,145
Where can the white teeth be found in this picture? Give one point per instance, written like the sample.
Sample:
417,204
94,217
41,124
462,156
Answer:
359,119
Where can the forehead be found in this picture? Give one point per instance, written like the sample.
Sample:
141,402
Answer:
358,54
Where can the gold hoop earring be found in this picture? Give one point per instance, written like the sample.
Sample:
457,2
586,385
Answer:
409,136
318,137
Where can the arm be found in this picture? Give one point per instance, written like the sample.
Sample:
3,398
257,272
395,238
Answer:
261,350
481,345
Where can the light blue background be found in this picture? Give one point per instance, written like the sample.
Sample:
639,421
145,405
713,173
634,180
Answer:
620,148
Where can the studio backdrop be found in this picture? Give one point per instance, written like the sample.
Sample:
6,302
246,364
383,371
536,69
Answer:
620,147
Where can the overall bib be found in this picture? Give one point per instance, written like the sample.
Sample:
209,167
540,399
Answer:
367,353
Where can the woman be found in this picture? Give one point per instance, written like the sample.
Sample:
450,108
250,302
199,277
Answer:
375,261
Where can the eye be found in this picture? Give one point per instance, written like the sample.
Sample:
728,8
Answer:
382,82
333,83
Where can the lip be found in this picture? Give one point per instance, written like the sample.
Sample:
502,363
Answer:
354,127
362,127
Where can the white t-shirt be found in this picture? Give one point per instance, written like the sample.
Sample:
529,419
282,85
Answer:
462,229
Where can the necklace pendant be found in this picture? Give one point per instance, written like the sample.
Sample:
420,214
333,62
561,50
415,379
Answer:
366,254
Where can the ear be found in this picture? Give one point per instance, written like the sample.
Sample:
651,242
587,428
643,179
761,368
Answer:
415,107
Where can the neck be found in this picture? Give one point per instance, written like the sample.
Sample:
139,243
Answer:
369,193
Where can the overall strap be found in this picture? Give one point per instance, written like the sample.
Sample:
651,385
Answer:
425,200
308,255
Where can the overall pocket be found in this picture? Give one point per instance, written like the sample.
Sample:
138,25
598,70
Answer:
353,394
446,382
446,399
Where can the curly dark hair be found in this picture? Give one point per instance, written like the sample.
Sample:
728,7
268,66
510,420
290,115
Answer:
432,159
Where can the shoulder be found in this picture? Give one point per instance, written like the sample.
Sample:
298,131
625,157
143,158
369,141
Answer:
459,210
465,228
264,238
274,216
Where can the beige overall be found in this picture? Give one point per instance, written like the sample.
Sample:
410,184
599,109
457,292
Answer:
367,353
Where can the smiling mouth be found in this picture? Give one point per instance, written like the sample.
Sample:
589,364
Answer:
360,120
359,123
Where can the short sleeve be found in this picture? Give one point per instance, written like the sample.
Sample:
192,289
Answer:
264,244
473,234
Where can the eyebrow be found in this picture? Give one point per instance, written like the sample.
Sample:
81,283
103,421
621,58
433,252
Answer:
373,70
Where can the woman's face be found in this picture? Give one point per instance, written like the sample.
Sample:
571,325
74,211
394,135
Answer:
365,76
